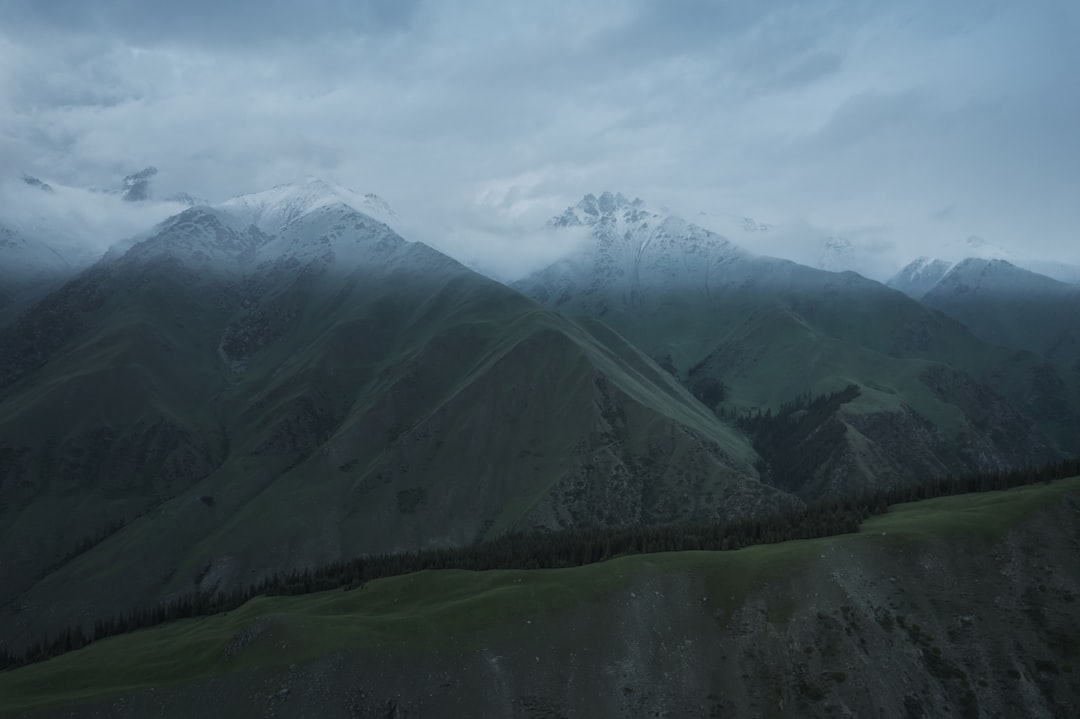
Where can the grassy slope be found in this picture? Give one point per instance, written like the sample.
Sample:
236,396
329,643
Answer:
772,329
429,611
448,386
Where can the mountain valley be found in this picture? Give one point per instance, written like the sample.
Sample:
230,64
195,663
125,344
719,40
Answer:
281,381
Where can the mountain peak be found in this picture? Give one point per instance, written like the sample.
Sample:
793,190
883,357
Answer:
274,209
592,209
919,276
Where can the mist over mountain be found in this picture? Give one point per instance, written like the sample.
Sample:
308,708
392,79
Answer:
539,360
733,326
1003,304
283,379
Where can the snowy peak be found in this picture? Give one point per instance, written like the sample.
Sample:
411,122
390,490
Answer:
932,279
275,209
593,210
619,224
312,224
996,276
630,249
919,276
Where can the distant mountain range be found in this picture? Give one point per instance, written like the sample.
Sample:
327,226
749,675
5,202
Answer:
748,333
1001,303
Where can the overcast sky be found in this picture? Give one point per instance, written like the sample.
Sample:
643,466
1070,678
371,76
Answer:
896,125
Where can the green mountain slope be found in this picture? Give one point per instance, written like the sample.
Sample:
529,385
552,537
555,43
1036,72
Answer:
748,333
958,606
1013,307
218,402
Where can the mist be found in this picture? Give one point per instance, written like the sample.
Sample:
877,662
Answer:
81,221
901,130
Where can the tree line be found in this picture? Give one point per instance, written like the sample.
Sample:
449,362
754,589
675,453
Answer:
543,550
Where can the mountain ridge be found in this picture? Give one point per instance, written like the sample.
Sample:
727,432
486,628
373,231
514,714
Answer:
240,402
732,325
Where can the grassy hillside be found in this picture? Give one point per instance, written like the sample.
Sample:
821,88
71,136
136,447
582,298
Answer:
934,398
417,619
237,424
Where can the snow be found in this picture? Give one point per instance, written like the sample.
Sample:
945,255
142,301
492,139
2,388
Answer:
312,223
274,209
633,246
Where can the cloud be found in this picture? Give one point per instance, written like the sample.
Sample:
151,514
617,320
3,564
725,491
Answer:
81,223
830,117
208,23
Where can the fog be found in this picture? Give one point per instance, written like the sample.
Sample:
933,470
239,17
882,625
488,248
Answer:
900,129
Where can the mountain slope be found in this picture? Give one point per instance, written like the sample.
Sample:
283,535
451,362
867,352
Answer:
748,333
1006,305
240,401
960,606
919,276
28,267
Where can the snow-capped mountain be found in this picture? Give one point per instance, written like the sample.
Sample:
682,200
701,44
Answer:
919,276
633,246
1001,303
199,237
304,222
272,210
979,274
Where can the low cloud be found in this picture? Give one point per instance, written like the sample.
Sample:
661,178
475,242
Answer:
826,118
73,218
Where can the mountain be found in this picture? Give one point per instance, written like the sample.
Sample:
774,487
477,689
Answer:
962,606
40,244
1060,271
24,262
30,265
272,210
919,276
136,186
283,380
750,335
1010,306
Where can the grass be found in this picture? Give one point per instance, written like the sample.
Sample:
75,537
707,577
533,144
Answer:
982,512
442,346
434,610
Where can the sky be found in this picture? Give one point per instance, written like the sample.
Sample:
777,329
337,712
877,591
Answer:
903,128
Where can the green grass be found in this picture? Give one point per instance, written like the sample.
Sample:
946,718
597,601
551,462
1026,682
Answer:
982,512
434,610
